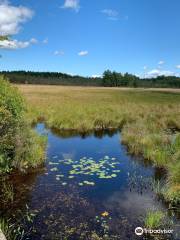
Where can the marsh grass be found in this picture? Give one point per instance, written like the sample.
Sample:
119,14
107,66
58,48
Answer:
154,219
7,192
148,119
92,108
7,229
11,231
20,227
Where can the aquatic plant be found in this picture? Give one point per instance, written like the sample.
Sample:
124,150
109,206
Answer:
89,183
104,168
158,187
100,168
15,229
64,183
55,169
154,219
7,229
53,163
7,192
102,221
105,214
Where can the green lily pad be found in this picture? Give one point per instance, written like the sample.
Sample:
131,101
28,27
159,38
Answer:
54,169
64,183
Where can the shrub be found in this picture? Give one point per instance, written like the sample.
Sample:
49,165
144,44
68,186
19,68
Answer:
11,99
20,147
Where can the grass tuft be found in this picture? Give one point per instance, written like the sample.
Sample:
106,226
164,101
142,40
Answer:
154,219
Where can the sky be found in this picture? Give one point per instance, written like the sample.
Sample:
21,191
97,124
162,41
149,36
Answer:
87,37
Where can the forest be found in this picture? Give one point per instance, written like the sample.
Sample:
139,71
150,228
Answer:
109,79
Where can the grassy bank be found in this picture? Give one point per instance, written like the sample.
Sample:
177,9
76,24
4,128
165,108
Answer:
20,147
150,120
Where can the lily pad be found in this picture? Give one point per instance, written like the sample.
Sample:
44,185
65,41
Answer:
54,169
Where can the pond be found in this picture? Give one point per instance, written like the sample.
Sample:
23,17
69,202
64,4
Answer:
89,188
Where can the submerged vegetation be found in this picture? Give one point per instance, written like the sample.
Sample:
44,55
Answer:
150,121
20,146
14,229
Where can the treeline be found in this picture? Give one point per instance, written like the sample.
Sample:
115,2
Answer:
50,78
109,79
115,79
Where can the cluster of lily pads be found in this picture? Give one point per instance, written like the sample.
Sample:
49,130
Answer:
105,168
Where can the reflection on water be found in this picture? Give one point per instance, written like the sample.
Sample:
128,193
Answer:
90,188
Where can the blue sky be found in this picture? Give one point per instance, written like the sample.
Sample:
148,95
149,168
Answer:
87,37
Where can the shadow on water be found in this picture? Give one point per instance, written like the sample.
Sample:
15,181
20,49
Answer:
90,188
73,133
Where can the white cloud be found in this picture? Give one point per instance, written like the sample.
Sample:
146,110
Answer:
71,4
15,44
96,76
11,18
33,41
161,62
145,67
83,53
59,53
157,72
72,74
178,66
45,41
111,14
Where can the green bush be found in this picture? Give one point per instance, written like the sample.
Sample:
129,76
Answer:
20,147
11,99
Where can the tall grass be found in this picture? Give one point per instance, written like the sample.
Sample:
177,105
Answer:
148,119
7,230
154,219
18,227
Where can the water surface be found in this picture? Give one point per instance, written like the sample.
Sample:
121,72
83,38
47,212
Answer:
90,186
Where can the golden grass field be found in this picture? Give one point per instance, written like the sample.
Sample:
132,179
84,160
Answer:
148,118
85,108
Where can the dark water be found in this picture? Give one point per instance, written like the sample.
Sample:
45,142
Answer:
90,188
